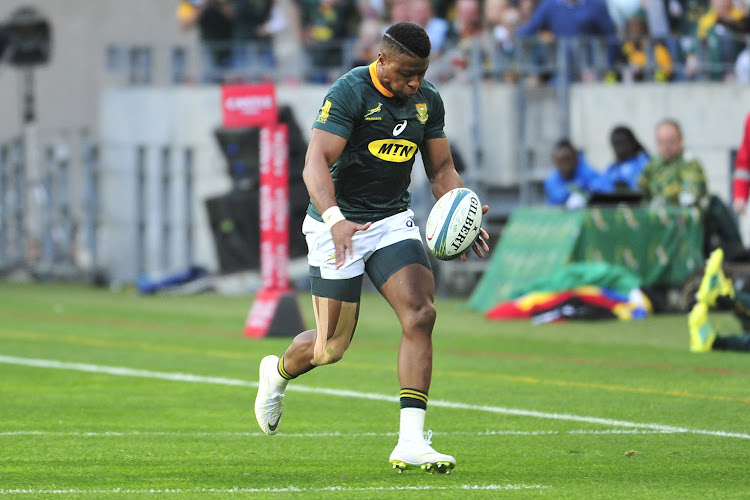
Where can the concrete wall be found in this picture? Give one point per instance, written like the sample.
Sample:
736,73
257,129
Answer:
67,88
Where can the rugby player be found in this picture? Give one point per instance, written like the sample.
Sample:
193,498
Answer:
357,172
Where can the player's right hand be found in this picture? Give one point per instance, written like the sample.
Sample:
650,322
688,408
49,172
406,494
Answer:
342,233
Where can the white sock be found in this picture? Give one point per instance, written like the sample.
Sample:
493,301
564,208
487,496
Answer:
279,382
412,425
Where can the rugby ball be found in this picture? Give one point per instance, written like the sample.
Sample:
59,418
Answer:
454,223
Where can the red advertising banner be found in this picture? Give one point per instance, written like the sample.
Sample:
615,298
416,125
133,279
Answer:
275,310
281,205
267,208
248,105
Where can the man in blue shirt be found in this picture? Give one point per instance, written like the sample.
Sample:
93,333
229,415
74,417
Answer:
571,19
573,180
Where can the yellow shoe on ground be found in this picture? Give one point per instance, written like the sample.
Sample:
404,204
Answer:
702,333
714,283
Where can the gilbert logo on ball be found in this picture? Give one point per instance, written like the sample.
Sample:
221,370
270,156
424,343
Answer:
453,224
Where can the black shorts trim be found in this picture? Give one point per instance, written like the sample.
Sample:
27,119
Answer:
384,262
345,290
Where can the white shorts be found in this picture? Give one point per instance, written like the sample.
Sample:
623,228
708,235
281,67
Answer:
321,251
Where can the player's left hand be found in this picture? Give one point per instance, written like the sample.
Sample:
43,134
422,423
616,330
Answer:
480,245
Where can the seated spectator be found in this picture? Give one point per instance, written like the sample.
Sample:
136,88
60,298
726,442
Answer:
673,177
641,52
630,160
573,180
213,18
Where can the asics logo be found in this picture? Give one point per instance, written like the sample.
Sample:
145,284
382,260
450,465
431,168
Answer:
400,126
272,426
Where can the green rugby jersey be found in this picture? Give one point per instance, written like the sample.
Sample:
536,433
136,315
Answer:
383,134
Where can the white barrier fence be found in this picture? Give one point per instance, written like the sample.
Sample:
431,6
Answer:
48,211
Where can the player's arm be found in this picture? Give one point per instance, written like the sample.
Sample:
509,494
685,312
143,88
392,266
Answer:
323,151
441,172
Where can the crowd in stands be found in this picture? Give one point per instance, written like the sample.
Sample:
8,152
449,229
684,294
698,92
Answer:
510,40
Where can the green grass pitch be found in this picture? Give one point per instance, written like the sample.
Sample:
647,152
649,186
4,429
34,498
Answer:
114,395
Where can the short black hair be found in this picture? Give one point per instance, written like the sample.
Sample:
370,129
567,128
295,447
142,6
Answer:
565,143
407,38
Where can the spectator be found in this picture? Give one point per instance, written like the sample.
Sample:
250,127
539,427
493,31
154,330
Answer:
684,15
328,26
437,28
573,180
399,11
213,18
372,9
642,53
622,10
673,177
630,160
526,9
700,22
366,47
468,22
722,44
468,34
575,19
255,23
502,20
741,180
742,64
716,290
570,18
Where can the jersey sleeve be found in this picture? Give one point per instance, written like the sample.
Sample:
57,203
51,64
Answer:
434,128
339,112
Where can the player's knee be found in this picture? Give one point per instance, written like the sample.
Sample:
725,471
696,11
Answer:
421,320
332,351
328,357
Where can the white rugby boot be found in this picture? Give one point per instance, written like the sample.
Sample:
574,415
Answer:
418,454
269,403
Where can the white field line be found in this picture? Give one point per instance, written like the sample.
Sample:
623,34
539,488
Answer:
307,435
187,377
288,489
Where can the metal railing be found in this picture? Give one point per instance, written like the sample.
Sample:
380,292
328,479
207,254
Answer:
541,58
